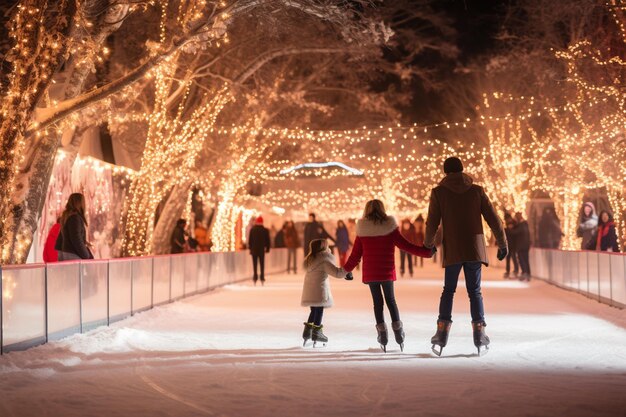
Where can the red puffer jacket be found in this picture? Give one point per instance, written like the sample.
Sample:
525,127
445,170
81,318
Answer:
376,244
49,253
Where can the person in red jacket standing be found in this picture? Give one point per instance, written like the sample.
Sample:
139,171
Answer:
376,240
49,253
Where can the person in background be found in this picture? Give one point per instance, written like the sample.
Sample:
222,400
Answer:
418,225
50,254
292,241
408,232
351,226
511,238
606,237
343,242
522,245
549,233
72,240
202,237
178,240
588,225
314,230
279,239
259,244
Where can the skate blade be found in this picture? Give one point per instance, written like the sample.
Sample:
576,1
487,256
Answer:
315,344
484,351
401,347
384,348
434,349
304,343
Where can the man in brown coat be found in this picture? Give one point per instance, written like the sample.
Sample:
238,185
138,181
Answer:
458,205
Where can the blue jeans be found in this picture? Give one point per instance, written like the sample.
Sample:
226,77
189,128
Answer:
472,271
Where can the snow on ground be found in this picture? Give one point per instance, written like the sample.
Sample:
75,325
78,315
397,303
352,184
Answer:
237,352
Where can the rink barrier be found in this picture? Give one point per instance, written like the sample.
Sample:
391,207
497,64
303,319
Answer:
597,275
46,302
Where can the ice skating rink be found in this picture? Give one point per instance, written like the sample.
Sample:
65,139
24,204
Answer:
237,351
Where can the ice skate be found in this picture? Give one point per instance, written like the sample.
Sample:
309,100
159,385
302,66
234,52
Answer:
318,336
506,275
398,332
307,333
383,339
441,336
481,340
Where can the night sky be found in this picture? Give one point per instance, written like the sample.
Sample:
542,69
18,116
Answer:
476,22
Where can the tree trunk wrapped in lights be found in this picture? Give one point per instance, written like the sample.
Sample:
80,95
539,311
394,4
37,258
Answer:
170,153
40,29
84,42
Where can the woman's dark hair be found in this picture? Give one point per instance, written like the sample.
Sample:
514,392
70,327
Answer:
181,222
315,247
375,211
600,222
341,224
75,205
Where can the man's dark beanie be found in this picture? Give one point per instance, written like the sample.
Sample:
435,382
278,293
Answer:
452,164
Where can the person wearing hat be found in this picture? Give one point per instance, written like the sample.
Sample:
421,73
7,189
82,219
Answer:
259,244
459,206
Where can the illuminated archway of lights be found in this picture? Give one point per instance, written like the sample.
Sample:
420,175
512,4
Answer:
515,161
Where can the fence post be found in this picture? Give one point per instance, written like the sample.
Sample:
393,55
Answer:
578,270
108,293
80,294
152,286
598,264
1,314
170,296
184,283
587,277
611,279
45,299
197,272
132,285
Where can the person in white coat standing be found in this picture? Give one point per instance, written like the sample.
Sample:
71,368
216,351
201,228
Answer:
319,265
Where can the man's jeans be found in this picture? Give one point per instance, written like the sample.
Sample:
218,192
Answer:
472,271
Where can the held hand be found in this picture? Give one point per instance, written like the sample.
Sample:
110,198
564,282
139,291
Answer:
432,250
349,276
502,252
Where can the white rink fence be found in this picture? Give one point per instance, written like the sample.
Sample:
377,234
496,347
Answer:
598,275
45,302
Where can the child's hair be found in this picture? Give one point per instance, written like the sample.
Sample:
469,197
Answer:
316,246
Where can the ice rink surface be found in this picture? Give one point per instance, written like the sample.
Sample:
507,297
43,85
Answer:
237,351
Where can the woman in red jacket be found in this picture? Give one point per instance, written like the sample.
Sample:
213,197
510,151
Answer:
377,237
50,254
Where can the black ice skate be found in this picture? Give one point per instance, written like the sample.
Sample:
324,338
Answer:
398,332
481,340
307,333
383,339
441,337
318,336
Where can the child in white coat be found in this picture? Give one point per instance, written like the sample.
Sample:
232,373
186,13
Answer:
319,264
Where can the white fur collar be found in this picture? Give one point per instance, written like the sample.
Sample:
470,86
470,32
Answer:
366,227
